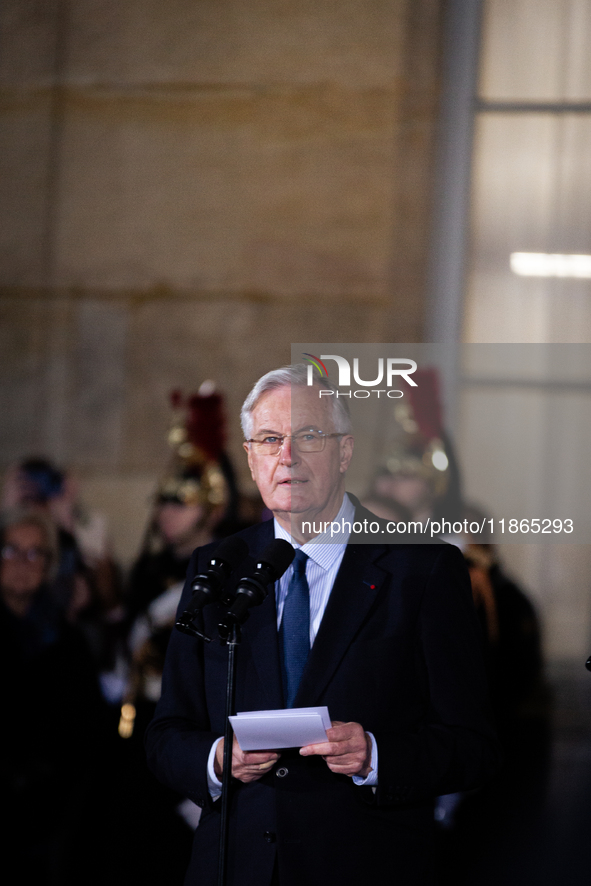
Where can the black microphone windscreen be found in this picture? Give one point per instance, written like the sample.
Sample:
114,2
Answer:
278,555
232,551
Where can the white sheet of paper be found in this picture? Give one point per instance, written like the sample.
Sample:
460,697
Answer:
288,728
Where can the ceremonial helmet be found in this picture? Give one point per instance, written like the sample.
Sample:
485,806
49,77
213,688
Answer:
197,437
419,446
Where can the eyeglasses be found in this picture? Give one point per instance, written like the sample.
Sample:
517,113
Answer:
304,441
25,555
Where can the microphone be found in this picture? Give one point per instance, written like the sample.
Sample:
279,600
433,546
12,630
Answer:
208,586
252,589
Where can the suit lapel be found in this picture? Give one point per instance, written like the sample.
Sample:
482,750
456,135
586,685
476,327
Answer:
356,586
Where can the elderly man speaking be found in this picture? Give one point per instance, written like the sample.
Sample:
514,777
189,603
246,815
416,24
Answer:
391,646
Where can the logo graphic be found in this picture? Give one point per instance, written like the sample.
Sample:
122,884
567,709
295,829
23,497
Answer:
396,367
317,362
390,370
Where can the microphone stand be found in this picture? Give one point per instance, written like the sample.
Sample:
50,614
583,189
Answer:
230,635
252,591
232,642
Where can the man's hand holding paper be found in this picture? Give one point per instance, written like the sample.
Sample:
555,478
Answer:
347,750
247,766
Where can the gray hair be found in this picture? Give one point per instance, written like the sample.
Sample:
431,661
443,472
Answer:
23,516
296,374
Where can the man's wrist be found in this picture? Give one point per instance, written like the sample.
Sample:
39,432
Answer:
218,759
213,782
366,769
371,776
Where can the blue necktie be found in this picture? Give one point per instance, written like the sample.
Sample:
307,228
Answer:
294,632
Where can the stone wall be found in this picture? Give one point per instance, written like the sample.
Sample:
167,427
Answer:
186,188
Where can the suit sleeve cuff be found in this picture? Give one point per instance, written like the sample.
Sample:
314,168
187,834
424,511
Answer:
213,783
372,779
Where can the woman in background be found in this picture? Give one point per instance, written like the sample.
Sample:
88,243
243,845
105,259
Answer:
53,717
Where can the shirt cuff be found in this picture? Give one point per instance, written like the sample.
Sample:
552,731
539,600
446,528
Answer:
213,783
372,779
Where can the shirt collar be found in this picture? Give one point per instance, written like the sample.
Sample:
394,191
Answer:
324,549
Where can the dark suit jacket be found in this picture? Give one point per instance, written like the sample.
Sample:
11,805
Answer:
398,650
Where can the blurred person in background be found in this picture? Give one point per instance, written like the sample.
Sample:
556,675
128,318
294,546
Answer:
419,474
476,825
195,499
518,687
196,495
53,716
87,584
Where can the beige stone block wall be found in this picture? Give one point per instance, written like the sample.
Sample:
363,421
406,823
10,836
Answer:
185,189
24,140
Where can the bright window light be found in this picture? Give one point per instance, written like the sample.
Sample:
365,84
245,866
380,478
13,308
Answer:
545,264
